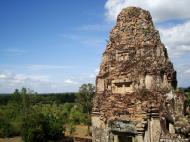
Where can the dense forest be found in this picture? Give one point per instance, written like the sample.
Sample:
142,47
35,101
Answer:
44,117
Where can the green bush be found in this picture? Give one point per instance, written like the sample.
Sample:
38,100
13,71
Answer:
10,122
38,127
6,129
54,128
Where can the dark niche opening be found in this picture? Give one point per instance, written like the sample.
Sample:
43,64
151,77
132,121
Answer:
121,84
125,139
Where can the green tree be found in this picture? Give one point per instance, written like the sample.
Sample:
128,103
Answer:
85,95
84,98
42,128
39,123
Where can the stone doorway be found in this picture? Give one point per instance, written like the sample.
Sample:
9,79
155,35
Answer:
125,139
123,131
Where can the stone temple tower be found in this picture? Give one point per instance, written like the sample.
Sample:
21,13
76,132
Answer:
135,89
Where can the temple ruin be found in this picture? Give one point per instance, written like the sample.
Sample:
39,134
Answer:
135,97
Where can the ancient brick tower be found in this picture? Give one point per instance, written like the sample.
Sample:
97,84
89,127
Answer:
135,99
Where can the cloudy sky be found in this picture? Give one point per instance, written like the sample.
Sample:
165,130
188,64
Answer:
55,46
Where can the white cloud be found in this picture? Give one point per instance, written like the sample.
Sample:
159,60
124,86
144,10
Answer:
3,76
41,81
177,39
187,71
23,78
183,74
159,9
70,82
10,81
38,83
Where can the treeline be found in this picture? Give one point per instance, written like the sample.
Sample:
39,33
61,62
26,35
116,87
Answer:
185,90
43,118
45,98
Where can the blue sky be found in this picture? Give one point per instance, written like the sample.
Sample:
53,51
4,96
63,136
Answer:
55,46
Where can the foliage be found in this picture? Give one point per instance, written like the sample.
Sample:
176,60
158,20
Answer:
5,127
84,98
36,125
58,98
9,121
41,128
85,95
49,98
4,99
44,117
